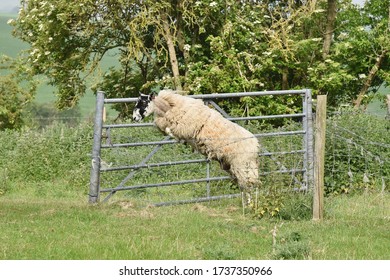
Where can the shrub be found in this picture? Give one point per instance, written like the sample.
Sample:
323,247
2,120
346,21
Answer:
357,153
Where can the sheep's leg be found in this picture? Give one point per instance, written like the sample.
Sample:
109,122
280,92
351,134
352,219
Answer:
247,179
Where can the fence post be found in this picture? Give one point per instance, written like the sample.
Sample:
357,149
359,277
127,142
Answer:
319,161
97,137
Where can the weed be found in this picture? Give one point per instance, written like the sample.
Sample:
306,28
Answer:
290,246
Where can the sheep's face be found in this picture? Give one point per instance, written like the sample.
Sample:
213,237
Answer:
143,107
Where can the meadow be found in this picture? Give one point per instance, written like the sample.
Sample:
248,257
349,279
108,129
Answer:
42,227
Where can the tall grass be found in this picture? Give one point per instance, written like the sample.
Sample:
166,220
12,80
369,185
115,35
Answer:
55,154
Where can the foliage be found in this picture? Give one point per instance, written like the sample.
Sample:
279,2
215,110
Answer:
17,89
216,46
357,153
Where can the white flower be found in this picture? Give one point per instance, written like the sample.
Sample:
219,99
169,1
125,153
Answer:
187,47
34,51
343,35
362,76
213,4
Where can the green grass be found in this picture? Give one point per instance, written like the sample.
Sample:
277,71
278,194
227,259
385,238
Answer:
355,227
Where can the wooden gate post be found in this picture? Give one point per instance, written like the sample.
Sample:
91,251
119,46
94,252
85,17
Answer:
319,158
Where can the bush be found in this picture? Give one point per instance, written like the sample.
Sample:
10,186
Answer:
357,153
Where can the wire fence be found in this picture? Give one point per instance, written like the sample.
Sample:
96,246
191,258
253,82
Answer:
357,153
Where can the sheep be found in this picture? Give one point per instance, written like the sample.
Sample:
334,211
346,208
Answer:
207,131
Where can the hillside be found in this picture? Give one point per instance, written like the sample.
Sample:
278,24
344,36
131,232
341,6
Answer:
11,46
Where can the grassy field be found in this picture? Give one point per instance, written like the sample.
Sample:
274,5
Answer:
355,227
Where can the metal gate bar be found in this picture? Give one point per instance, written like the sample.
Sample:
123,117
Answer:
307,150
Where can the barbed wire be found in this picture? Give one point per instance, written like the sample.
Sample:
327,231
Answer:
384,145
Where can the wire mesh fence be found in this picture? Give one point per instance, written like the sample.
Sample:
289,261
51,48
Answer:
357,153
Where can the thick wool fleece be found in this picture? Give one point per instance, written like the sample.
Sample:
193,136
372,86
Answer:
207,131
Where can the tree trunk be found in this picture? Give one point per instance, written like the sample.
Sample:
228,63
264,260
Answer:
388,106
331,18
285,78
172,53
370,78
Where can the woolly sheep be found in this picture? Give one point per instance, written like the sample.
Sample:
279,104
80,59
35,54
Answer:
207,131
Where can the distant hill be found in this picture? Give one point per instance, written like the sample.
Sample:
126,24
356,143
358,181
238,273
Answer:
10,46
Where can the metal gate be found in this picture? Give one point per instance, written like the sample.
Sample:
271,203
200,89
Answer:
298,168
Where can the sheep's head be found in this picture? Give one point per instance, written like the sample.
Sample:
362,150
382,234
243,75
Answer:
143,107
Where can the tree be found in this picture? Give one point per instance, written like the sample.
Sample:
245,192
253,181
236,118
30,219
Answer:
379,24
69,39
331,17
17,90
209,46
